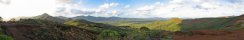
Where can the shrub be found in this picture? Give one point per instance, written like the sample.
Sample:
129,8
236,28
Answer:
1,19
144,28
5,37
108,35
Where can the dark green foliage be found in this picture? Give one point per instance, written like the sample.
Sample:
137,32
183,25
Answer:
1,19
139,35
57,33
3,36
108,35
37,29
36,22
144,28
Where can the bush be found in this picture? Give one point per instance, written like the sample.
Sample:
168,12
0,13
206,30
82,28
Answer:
1,19
5,37
144,28
108,35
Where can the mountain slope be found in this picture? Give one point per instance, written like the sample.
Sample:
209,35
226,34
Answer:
47,31
207,23
45,16
212,29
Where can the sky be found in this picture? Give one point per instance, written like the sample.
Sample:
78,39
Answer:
122,8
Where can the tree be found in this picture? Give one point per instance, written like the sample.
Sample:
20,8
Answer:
5,37
144,28
1,19
108,35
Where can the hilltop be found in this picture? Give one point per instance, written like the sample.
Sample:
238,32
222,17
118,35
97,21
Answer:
212,29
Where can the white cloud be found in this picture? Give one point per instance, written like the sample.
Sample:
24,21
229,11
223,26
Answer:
72,10
106,6
17,8
191,9
173,8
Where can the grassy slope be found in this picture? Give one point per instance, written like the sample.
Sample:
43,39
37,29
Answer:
206,23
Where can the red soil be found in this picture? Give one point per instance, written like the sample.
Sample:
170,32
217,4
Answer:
210,35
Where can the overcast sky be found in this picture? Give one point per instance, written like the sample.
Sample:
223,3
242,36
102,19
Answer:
122,8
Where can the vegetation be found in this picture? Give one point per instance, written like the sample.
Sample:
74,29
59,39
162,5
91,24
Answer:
1,19
46,27
73,23
4,36
108,35
167,25
206,23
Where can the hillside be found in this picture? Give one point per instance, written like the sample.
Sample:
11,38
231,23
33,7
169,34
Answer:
44,30
46,16
230,23
206,23
212,29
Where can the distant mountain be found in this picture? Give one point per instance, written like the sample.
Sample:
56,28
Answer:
94,19
114,19
62,20
46,16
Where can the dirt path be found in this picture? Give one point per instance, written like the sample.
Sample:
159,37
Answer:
210,35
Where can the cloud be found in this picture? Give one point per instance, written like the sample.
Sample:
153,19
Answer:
16,8
191,9
171,8
74,9
5,2
106,6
